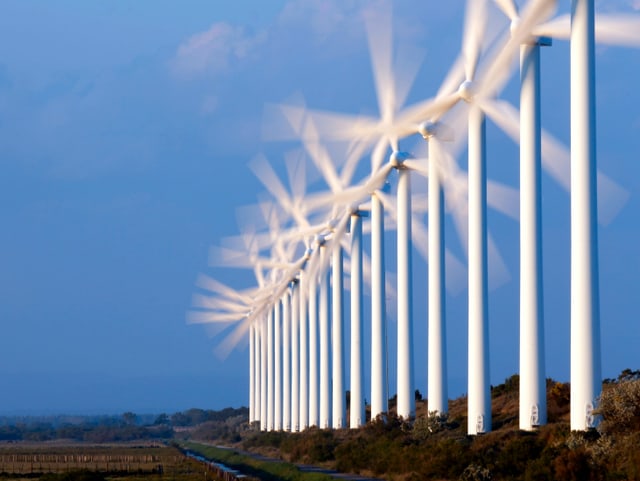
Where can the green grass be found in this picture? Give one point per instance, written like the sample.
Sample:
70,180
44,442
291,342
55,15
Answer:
265,470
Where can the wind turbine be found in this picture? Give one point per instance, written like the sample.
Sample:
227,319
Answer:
222,306
532,404
295,355
337,341
475,91
286,359
324,280
585,363
392,124
586,378
584,28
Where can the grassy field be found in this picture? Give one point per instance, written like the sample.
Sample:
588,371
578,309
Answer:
265,470
55,461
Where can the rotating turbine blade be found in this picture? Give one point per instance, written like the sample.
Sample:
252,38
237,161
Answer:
320,265
409,120
283,122
501,62
380,38
230,341
498,272
621,29
417,165
456,276
217,303
355,152
509,8
474,29
456,273
455,76
344,127
222,256
558,27
203,317
456,202
379,154
352,196
266,175
556,159
504,199
297,174
212,285
320,157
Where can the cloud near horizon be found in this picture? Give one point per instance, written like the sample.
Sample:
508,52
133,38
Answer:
215,50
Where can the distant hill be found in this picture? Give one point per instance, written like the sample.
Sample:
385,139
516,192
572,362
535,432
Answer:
102,429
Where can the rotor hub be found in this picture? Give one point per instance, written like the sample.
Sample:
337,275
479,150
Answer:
467,91
398,158
515,23
428,129
532,39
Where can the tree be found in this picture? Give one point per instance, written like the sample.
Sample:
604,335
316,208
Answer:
129,418
162,419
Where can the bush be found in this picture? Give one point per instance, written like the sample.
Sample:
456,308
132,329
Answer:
474,472
425,426
619,406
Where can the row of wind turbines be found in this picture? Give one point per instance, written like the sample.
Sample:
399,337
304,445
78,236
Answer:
295,316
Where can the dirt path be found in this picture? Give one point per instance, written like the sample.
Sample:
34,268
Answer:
302,467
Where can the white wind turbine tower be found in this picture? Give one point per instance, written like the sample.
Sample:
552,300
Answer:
387,130
337,340
357,413
295,355
314,374
437,394
286,360
584,29
303,319
324,280
249,309
471,91
324,164
223,305
586,378
338,127
533,398
296,385
611,29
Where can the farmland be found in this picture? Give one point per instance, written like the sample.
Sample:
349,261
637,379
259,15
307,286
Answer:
115,461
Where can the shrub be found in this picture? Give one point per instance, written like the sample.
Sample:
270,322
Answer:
619,406
425,426
474,472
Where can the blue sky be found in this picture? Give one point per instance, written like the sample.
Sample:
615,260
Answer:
125,133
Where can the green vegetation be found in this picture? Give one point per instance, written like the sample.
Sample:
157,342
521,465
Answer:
431,447
437,447
264,470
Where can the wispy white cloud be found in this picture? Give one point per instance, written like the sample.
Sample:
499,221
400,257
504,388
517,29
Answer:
324,17
215,50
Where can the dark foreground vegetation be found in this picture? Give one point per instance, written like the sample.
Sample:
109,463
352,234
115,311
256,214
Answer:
430,448
434,447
